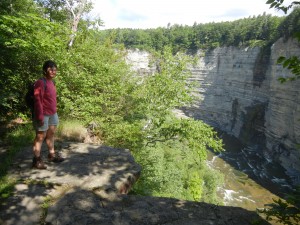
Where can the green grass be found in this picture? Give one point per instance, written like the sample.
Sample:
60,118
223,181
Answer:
6,187
71,130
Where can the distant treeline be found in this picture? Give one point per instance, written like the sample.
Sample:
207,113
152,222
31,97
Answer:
252,31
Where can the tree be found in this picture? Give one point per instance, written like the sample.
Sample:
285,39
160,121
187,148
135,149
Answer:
173,150
12,7
70,11
26,41
76,8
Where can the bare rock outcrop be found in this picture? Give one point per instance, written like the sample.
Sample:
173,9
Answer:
83,207
88,166
91,186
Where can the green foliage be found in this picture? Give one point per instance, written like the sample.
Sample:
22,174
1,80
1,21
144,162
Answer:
197,135
13,7
163,170
6,187
256,43
290,27
55,10
173,161
95,83
285,212
125,134
24,45
261,29
212,180
293,64
171,169
279,4
61,11
193,187
19,136
168,88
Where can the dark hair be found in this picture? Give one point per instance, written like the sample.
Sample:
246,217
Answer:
47,64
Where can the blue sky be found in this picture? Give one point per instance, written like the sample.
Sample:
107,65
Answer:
158,13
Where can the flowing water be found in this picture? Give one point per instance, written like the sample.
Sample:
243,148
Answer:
250,181
238,189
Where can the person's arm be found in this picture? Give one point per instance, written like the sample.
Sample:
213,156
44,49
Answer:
38,101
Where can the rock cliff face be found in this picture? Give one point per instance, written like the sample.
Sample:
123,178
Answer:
240,95
282,125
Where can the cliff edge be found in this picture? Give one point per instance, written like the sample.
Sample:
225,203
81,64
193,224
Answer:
91,187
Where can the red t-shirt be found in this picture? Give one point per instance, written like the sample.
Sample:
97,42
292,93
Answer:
44,99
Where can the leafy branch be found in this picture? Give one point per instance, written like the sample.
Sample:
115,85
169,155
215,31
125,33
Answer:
286,212
292,64
278,4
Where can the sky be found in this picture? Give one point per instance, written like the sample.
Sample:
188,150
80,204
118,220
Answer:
159,13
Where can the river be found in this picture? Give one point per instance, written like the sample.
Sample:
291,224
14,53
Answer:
250,181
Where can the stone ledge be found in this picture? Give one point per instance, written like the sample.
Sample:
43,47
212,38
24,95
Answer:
84,207
87,166
90,187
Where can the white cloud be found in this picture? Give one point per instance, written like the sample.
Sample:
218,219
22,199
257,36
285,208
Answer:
158,13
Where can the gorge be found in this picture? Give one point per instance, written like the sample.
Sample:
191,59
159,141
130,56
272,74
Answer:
241,97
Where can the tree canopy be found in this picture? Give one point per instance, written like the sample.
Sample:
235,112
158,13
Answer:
252,31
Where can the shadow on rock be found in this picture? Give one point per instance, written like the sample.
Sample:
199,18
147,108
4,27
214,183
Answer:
87,166
80,206
25,206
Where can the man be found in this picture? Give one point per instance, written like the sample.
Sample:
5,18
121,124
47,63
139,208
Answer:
45,118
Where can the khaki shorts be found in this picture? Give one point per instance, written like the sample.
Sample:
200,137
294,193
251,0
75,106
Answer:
49,120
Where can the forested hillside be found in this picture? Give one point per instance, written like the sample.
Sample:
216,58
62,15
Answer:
253,31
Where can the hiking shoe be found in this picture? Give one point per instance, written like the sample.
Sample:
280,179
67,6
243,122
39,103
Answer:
37,163
56,158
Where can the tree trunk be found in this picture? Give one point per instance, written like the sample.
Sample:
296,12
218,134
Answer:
76,12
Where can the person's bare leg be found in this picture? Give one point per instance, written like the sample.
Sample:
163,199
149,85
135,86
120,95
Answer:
52,157
37,161
50,139
37,143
